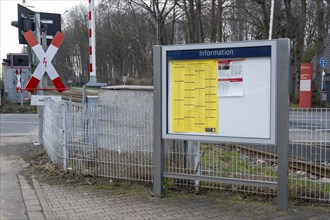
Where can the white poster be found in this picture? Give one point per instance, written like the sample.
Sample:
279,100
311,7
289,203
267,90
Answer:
305,85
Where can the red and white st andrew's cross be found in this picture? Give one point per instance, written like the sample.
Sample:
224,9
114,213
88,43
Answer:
45,59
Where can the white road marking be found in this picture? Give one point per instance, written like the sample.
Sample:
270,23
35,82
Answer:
18,122
34,132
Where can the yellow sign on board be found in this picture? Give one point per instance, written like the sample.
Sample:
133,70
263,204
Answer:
194,96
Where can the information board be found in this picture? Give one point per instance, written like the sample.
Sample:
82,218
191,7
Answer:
234,92
220,92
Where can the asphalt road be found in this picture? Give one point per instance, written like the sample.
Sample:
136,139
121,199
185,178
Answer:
18,124
18,132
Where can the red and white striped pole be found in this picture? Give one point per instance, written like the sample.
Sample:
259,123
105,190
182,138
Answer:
91,35
92,58
91,26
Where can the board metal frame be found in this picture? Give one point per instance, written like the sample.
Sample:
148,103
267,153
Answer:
214,137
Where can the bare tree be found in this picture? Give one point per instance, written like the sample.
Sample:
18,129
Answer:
159,11
319,44
328,17
220,20
193,13
126,31
72,59
299,43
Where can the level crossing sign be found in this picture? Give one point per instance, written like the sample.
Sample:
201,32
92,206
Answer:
18,78
45,64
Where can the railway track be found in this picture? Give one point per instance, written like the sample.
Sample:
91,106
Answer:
296,164
76,95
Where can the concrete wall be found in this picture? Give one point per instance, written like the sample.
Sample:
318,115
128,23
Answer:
126,118
130,96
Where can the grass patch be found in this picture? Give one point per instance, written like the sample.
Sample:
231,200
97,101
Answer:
294,105
8,107
108,186
228,162
41,153
308,188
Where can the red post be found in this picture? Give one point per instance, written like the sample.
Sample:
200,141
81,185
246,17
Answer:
306,71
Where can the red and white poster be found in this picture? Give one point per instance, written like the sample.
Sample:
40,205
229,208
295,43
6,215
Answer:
230,78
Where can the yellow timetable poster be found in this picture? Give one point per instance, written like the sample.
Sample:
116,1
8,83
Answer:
194,96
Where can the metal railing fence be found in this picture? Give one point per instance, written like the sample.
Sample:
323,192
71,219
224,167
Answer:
108,141
117,142
244,163
309,151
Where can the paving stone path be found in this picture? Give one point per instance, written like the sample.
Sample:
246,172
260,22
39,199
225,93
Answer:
87,202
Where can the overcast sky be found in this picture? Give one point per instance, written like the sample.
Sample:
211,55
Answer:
8,13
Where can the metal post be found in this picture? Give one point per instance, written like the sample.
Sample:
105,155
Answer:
37,26
323,91
197,159
271,20
84,94
44,81
322,84
22,102
282,126
158,142
157,28
40,108
64,131
92,59
93,122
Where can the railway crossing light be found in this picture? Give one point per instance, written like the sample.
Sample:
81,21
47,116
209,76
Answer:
25,22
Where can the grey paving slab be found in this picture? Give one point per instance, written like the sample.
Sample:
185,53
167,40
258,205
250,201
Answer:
87,202
12,204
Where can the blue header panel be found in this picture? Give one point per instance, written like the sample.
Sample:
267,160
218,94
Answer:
220,53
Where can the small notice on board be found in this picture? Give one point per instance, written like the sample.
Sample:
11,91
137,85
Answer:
40,100
230,78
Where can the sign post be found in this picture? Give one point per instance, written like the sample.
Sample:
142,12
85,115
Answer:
323,64
323,75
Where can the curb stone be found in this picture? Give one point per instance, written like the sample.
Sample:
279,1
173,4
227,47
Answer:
31,201
44,204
